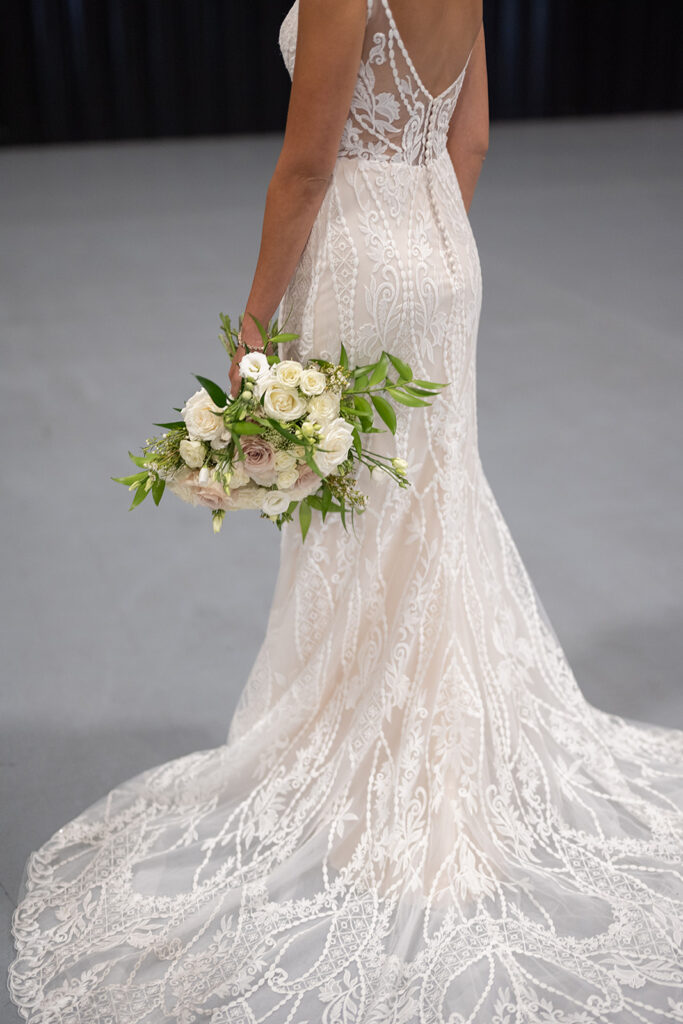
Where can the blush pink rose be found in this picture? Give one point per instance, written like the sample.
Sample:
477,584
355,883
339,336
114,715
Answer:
209,495
259,460
308,483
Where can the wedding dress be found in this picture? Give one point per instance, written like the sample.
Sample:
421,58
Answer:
416,816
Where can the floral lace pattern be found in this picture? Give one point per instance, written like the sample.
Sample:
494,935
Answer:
416,818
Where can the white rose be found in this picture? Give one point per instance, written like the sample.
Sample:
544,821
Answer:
323,408
336,439
239,477
284,459
288,372
283,403
254,365
287,478
274,502
312,382
202,417
192,453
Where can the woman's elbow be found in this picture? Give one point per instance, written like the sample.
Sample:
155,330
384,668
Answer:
478,142
301,175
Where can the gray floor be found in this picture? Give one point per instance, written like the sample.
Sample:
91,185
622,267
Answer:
119,650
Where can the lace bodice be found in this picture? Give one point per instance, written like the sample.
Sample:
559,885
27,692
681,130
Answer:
393,116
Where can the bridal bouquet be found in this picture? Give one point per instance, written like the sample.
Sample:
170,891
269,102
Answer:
291,438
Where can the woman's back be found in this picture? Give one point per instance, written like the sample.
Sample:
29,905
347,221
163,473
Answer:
438,35
394,114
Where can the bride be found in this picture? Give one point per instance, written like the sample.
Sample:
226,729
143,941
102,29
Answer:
416,815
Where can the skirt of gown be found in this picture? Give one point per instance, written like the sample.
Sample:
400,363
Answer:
416,815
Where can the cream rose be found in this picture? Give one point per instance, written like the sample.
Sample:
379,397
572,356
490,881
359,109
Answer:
312,382
192,453
259,460
202,417
336,439
288,372
254,365
274,502
287,478
284,460
324,408
283,403
181,484
247,497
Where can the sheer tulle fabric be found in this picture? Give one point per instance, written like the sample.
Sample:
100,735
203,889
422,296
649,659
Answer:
416,817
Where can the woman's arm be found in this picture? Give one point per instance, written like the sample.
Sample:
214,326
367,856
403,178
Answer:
328,53
468,133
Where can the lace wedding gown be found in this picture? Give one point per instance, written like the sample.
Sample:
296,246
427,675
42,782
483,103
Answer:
416,817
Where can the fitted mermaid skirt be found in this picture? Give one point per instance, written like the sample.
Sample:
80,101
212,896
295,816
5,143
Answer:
416,815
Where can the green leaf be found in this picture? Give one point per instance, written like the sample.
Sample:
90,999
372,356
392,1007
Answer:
419,391
428,384
386,411
158,489
216,392
139,460
305,516
362,406
398,396
315,502
280,339
244,427
357,442
128,480
343,358
361,382
402,368
310,461
175,425
380,371
238,446
139,496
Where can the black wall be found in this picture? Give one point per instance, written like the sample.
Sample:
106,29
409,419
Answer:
105,69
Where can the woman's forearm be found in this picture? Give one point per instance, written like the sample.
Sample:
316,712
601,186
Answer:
467,165
292,204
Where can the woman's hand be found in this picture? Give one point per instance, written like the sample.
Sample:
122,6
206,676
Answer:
249,336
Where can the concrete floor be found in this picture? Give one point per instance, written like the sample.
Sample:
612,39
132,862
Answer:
114,263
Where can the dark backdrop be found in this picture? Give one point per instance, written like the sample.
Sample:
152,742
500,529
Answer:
106,69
